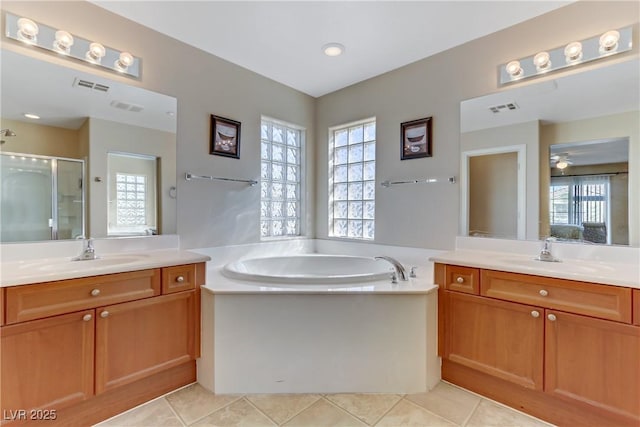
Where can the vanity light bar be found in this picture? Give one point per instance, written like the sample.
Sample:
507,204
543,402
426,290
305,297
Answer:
66,44
574,53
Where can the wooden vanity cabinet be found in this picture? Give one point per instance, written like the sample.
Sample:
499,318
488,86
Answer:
636,307
100,360
544,346
48,363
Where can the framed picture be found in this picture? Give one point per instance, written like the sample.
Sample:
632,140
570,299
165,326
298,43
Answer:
415,139
225,137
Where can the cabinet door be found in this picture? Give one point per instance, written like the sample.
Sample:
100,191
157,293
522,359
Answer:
593,361
499,338
140,338
48,364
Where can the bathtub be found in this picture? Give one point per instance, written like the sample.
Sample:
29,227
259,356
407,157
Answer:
309,269
311,323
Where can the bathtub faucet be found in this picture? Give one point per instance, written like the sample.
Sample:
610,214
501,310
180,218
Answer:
399,269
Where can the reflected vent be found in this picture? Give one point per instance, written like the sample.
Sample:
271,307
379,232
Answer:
90,85
126,106
503,108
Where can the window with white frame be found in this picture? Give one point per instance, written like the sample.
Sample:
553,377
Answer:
282,154
579,199
352,175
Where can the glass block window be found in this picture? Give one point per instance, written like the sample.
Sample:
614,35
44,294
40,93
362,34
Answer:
282,152
131,199
352,179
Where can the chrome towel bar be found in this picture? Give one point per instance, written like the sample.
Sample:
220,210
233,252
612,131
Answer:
189,176
450,180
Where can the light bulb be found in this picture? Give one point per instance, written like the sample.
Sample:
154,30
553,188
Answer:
542,61
31,116
27,30
573,52
95,53
562,164
63,41
124,61
609,41
514,69
333,49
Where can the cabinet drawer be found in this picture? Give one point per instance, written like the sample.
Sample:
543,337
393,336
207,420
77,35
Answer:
462,279
30,302
636,307
606,302
178,278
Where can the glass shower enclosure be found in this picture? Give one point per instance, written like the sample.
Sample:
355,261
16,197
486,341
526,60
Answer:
41,198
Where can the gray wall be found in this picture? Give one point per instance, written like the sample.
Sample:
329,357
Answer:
215,214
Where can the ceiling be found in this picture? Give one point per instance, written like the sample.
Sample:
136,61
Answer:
282,40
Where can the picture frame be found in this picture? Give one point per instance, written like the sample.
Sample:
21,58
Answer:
415,139
225,137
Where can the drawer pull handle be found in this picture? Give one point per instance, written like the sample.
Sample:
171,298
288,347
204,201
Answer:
180,279
87,317
460,279
95,292
104,314
543,292
535,314
551,317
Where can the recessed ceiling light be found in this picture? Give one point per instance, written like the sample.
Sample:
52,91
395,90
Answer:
31,116
333,49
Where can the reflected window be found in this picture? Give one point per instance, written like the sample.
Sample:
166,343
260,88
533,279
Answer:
132,194
581,201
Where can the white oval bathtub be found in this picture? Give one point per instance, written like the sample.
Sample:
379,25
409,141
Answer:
309,269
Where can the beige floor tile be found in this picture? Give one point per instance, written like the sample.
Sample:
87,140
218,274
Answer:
448,401
195,402
324,414
157,413
408,414
240,413
489,414
282,407
367,407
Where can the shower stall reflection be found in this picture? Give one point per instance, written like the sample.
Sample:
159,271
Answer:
41,198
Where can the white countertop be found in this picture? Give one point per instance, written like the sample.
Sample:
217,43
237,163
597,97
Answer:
15,273
608,273
219,284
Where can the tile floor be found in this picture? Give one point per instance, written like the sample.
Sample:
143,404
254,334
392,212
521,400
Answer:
445,405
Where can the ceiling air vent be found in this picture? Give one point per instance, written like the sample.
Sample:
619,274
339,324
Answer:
90,85
126,106
503,108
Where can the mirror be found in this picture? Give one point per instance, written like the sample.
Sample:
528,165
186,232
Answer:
61,160
589,124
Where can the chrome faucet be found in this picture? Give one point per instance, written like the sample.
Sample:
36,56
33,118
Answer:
398,268
88,251
545,252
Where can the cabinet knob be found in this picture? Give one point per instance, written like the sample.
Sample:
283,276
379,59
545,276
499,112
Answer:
104,314
87,317
551,317
543,292
535,314
180,279
460,279
95,292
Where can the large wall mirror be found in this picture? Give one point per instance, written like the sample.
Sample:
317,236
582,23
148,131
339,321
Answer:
580,177
100,161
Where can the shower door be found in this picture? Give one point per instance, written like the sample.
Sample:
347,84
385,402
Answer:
41,198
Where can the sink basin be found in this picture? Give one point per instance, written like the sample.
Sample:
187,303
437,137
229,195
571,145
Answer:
69,265
571,266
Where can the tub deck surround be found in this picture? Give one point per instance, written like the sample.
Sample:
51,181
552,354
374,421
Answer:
14,273
625,274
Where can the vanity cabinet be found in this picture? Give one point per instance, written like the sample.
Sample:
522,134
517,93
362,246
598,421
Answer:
89,348
48,363
636,307
562,350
